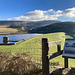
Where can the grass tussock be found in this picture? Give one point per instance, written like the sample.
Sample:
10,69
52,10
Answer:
12,64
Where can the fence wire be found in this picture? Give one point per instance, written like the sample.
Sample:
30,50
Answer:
32,50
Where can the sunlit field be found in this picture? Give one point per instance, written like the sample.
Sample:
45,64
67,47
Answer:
5,30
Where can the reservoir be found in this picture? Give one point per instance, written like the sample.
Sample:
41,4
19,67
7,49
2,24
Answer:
18,37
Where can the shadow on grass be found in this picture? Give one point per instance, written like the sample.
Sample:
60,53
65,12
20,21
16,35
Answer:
38,72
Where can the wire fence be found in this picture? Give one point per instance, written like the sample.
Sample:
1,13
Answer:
34,52
31,50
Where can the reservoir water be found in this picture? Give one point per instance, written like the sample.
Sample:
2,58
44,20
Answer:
18,37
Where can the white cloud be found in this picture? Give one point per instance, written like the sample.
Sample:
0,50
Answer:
50,14
59,11
70,12
37,15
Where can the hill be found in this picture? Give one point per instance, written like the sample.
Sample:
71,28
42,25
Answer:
27,24
67,27
33,48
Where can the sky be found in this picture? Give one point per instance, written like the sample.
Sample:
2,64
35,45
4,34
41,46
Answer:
37,10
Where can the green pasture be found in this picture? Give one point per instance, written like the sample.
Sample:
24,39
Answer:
33,47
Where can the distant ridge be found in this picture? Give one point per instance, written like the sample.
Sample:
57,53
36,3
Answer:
67,27
28,24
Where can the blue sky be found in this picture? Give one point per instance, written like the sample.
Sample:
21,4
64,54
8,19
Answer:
36,10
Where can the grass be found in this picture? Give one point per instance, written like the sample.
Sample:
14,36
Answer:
5,30
33,47
14,64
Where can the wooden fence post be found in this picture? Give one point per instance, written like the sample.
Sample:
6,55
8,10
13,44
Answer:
58,48
45,60
66,62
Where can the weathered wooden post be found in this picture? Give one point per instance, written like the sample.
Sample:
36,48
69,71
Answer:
5,39
45,60
59,48
66,62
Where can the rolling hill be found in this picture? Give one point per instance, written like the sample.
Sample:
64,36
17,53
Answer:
67,27
28,24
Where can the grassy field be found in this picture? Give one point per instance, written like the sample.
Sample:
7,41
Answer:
33,47
5,30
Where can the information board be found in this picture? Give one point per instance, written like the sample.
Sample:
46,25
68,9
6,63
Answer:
69,48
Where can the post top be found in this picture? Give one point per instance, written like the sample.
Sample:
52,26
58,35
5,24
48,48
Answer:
5,36
45,38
